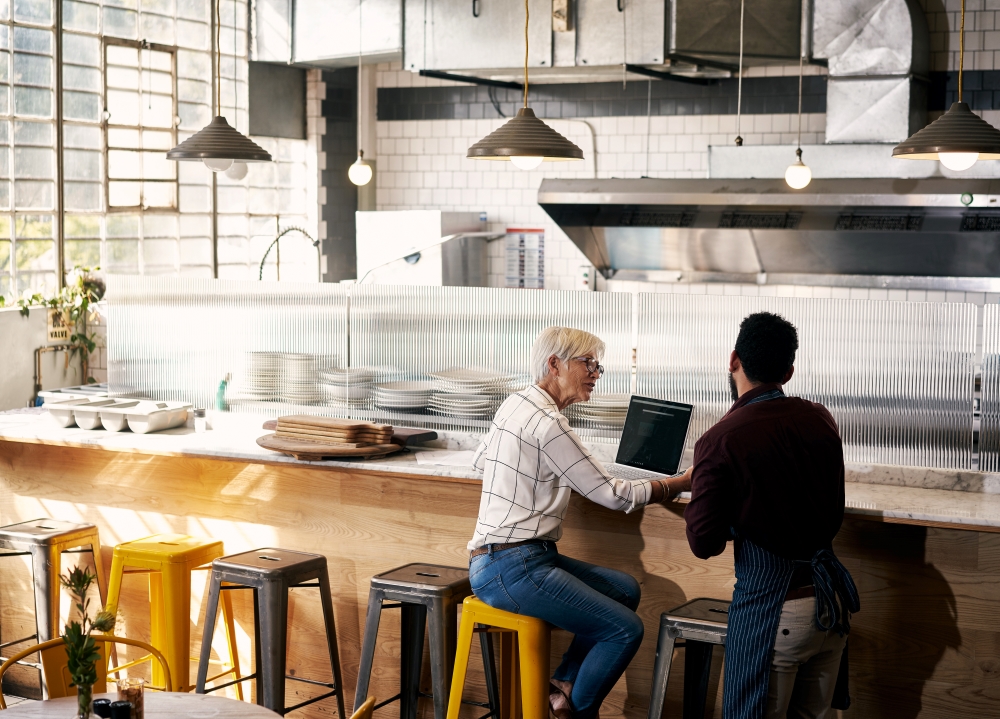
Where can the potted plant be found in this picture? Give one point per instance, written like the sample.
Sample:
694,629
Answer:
81,649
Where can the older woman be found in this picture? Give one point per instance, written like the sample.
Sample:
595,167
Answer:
531,462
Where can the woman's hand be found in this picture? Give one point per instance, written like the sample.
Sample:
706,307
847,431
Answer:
675,485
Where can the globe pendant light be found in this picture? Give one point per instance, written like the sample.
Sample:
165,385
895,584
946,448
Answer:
360,171
218,144
798,174
525,140
959,137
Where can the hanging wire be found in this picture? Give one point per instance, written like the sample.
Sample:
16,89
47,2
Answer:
621,9
798,142
359,76
525,53
739,81
961,51
218,57
649,119
236,41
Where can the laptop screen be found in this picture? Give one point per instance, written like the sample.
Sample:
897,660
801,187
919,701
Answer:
654,434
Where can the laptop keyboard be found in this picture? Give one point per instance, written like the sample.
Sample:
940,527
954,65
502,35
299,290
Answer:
622,471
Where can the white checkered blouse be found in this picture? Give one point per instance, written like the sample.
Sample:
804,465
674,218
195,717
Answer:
531,461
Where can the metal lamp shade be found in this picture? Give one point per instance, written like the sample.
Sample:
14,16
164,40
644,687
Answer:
958,130
525,136
219,141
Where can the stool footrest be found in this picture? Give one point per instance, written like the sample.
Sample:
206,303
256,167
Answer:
328,685
17,641
307,702
388,701
217,687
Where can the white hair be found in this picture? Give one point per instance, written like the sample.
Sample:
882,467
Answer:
564,343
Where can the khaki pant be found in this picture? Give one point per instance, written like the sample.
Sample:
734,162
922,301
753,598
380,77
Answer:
805,664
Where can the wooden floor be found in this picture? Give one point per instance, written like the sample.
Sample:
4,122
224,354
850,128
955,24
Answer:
926,643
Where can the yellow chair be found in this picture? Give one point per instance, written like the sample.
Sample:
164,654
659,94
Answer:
169,559
365,710
55,665
531,652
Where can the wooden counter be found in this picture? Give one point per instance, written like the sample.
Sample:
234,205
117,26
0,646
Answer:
926,642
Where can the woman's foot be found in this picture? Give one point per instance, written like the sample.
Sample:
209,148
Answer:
559,699
559,702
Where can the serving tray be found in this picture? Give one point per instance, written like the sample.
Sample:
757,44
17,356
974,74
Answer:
314,451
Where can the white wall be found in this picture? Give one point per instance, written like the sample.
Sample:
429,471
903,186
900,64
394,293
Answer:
20,336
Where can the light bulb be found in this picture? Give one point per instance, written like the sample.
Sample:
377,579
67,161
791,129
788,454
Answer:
218,164
526,162
958,161
360,173
238,171
798,175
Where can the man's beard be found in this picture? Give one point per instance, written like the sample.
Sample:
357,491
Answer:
732,388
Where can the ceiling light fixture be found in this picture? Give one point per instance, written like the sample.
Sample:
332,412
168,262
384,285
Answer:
524,139
218,144
959,137
360,172
798,174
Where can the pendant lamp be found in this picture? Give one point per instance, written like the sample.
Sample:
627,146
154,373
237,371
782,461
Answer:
218,144
798,174
524,139
959,137
360,171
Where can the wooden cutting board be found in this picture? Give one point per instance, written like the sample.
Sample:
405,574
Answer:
403,436
310,420
314,451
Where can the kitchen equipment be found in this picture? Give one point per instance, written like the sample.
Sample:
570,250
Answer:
86,391
87,415
315,451
61,412
148,417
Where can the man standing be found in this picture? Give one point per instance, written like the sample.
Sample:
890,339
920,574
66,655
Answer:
770,475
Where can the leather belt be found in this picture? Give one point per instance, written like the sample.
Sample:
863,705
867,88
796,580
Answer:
500,547
800,593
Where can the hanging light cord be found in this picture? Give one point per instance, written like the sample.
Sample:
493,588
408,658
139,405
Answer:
799,141
525,53
739,81
218,57
360,153
961,51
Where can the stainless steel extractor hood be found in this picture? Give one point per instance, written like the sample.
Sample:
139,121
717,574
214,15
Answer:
929,233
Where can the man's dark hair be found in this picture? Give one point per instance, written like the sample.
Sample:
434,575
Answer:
766,347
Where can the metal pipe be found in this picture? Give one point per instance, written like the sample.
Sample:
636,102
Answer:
315,243
39,351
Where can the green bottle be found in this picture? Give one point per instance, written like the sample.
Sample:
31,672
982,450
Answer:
220,396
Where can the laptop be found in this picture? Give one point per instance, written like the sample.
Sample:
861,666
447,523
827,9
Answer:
653,439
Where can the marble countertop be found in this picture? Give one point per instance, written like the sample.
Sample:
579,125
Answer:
955,498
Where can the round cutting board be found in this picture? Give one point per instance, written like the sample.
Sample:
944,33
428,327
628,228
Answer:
314,451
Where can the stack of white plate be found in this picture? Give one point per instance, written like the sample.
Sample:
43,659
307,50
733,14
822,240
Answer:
461,380
347,385
606,410
464,406
403,395
298,378
263,374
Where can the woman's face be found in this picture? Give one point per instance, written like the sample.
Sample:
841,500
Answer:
576,382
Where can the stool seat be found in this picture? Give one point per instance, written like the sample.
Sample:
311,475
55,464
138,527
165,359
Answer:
429,579
532,655
45,532
271,564
702,623
161,549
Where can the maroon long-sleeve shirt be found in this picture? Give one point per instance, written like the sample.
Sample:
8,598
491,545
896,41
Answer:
774,472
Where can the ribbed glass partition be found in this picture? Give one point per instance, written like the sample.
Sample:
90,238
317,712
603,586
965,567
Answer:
989,425
172,338
454,343
897,376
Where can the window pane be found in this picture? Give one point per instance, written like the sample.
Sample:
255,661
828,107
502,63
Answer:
34,162
160,82
123,138
158,111
4,10
82,78
4,162
4,100
126,78
83,253
4,31
30,195
193,9
123,225
119,23
32,70
194,91
159,226
161,7
157,28
83,196
153,140
159,252
4,195
32,40
124,107
84,106
82,165
4,67
159,194
81,16
33,102
82,136
38,255
156,166
122,256
33,133
4,259
82,226
122,55
124,164
123,194
30,227
38,12
82,50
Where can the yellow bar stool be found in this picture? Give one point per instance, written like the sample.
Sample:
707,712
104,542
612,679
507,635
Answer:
169,559
530,651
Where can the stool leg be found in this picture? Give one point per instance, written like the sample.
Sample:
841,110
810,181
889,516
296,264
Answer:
102,590
697,667
326,596
533,648
442,642
211,612
661,672
114,592
412,620
461,664
490,672
234,654
374,615
45,569
158,631
176,642
273,612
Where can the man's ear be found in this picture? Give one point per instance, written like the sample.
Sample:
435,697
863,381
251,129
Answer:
734,362
788,375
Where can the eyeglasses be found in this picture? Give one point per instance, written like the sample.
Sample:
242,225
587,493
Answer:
593,366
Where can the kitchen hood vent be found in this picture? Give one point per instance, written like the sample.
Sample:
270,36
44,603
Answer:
932,233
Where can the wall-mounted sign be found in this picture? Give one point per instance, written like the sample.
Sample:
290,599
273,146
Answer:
58,330
525,258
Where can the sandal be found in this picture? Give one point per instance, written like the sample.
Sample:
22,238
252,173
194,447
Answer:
564,712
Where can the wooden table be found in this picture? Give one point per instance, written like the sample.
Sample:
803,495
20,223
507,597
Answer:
159,705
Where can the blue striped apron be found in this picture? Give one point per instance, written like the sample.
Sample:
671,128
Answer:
762,580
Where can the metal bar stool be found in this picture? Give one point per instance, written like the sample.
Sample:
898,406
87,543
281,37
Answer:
169,560
46,540
427,595
271,573
702,623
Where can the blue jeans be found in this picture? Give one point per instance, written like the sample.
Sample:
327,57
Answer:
594,603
